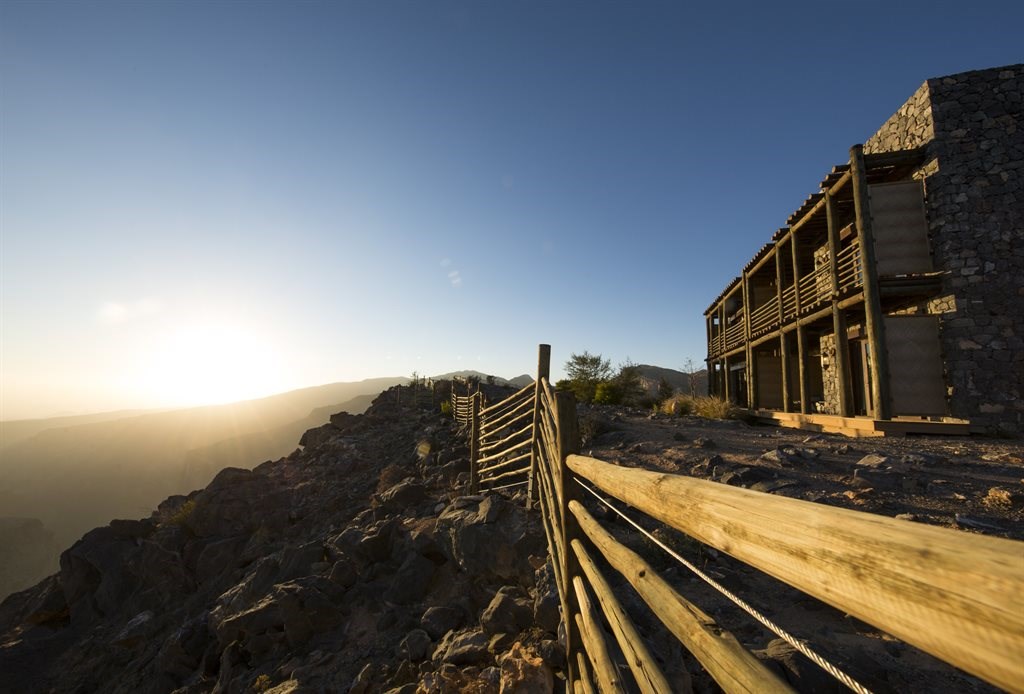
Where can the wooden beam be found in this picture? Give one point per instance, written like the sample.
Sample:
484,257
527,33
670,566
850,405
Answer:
731,665
567,431
543,371
749,361
838,317
879,361
649,677
954,594
805,386
474,445
596,645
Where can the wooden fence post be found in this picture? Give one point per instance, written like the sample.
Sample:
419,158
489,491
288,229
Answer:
474,444
543,371
568,443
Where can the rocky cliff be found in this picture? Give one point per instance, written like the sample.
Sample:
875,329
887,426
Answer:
352,564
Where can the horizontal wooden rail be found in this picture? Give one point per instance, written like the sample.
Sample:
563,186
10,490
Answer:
504,464
498,422
955,595
522,392
528,429
497,456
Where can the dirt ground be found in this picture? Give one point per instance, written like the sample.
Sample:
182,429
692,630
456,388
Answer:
972,484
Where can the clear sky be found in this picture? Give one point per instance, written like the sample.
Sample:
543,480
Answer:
205,201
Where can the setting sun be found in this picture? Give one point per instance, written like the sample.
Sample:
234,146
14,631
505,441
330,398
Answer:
212,363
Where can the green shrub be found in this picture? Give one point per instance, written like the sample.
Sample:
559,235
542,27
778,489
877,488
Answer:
446,408
607,393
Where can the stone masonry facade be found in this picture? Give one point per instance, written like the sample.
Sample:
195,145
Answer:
972,127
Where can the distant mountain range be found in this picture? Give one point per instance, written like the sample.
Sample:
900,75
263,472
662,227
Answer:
517,382
75,473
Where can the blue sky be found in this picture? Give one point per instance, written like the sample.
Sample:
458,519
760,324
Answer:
210,201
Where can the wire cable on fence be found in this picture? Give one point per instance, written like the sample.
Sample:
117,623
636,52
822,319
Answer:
753,612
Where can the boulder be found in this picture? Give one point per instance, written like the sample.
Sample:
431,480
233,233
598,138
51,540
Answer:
463,648
403,495
506,615
412,580
415,646
438,621
491,539
524,672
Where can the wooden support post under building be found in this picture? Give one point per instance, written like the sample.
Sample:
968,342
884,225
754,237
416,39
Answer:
878,357
783,347
543,371
801,335
749,367
838,317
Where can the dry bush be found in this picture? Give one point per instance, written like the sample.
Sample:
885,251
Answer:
706,406
711,407
678,405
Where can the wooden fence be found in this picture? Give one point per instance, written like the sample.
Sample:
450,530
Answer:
957,596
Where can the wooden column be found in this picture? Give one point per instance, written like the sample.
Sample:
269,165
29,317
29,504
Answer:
474,443
879,358
568,444
750,370
783,347
838,317
543,371
725,378
801,335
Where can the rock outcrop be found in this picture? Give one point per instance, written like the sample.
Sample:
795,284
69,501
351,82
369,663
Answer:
353,564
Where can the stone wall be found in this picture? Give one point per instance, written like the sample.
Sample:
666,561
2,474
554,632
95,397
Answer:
910,127
974,187
829,375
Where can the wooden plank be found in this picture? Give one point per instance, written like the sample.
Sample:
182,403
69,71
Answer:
593,638
732,666
648,675
955,595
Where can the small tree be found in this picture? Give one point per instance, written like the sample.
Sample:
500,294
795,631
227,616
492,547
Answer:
628,383
585,371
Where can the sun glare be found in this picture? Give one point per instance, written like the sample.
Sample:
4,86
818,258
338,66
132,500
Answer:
211,364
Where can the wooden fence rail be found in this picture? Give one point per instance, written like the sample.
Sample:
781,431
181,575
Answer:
955,595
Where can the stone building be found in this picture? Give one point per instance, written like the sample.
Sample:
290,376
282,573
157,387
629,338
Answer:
893,299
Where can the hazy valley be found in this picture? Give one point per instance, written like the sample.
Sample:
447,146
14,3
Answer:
76,473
